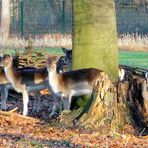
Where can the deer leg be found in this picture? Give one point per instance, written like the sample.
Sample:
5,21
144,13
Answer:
60,106
55,104
66,102
25,102
69,65
4,95
37,103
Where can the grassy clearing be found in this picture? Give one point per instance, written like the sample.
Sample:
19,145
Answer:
130,58
49,50
134,58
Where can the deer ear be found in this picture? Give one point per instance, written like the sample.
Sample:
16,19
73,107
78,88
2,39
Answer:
46,57
64,50
2,52
146,75
7,56
57,58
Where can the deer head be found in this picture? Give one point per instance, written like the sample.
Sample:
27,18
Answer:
6,60
68,54
52,63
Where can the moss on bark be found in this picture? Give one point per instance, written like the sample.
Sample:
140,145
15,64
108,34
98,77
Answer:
95,36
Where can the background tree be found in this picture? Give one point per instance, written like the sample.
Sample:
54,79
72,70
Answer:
95,36
5,19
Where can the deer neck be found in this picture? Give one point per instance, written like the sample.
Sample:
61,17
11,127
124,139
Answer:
53,79
10,72
3,78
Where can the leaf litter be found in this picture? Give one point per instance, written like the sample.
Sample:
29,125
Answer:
38,130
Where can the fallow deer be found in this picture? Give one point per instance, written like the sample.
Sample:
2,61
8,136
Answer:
30,80
5,86
68,58
72,83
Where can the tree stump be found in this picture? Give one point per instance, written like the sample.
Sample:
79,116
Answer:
137,96
108,107
114,106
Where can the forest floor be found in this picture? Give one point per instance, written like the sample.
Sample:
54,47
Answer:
38,130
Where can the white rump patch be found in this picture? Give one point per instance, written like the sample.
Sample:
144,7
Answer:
81,89
121,74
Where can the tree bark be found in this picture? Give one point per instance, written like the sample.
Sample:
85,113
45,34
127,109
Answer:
5,20
109,107
138,102
95,36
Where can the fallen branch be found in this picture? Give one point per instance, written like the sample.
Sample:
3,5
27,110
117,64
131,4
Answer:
12,113
8,113
25,117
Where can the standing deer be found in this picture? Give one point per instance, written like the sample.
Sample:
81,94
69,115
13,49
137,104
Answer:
5,86
72,83
68,59
29,80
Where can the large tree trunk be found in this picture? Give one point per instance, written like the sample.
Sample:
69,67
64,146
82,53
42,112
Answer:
95,36
5,20
95,45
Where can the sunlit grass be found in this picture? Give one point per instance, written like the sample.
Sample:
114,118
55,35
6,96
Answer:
134,58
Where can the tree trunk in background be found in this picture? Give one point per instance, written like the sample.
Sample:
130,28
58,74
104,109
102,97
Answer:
95,36
5,20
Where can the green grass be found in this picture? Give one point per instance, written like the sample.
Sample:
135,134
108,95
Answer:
52,50
48,50
134,58
129,58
